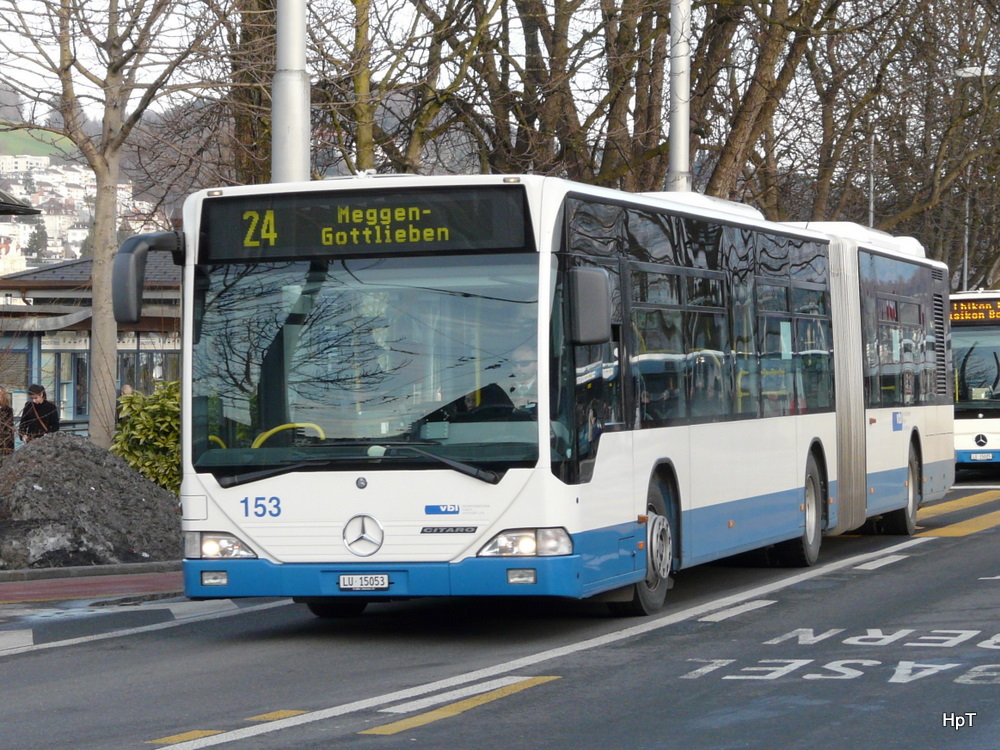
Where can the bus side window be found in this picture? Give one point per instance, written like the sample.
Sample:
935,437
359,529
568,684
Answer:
657,362
709,365
814,364
777,385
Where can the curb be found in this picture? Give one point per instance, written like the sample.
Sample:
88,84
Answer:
42,574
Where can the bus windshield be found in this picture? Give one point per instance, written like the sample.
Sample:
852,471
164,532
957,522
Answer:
408,362
977,367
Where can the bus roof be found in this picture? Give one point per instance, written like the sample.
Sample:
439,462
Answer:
700,200
871,238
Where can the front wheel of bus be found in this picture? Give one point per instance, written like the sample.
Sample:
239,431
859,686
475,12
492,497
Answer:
649,594
804,551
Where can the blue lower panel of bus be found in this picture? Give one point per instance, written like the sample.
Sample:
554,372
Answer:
740,526
603,559
554,576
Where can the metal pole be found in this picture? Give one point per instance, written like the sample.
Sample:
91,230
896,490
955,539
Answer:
290,136
871,180
965,242
679,168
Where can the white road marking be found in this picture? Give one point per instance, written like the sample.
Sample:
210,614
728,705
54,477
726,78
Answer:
725,614
182,610
15,639
875,564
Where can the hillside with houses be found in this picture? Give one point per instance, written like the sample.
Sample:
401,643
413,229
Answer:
65,194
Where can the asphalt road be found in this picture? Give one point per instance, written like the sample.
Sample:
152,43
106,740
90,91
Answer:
888,642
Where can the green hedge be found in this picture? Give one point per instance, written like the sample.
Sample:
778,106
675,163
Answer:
149,434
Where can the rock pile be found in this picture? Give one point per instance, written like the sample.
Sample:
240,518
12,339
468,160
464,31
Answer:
64,501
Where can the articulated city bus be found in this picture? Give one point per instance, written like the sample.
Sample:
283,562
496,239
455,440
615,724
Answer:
402,386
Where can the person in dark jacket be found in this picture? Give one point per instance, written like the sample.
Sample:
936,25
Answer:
39,416
6,424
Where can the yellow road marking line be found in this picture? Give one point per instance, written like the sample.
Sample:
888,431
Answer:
276,715
979,523
452,696
456,708
195,735
970,501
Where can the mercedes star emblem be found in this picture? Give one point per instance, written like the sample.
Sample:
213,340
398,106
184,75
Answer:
981,440
363,535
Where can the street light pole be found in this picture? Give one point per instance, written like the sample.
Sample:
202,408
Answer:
679,167
290,135
965,243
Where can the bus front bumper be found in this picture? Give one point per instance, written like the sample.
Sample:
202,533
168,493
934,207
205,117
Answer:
522,576
979,456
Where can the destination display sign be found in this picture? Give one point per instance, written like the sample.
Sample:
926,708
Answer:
323,224
975,311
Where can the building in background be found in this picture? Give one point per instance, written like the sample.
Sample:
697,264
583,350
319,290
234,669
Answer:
45,321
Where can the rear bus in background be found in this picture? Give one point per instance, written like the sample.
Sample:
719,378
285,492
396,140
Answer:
975,327
403,386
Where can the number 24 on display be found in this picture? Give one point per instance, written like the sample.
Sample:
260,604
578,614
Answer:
261,506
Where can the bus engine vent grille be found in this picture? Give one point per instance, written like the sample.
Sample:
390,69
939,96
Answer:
942,380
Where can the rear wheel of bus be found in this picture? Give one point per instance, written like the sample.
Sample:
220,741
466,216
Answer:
904,520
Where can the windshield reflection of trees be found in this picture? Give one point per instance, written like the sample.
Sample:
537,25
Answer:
302,343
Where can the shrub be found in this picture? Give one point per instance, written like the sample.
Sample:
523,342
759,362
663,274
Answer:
149,434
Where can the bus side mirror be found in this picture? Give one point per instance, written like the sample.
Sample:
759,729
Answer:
590,298
128,271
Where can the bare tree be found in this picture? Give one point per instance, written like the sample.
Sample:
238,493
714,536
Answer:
72,59
386,74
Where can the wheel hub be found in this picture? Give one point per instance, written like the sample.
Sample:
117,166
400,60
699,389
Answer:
658,544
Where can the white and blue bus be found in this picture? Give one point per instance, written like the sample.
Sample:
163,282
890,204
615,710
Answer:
401,386
975,326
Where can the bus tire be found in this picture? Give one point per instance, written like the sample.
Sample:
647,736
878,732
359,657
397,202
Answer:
904,520
804,551
649,594
337,607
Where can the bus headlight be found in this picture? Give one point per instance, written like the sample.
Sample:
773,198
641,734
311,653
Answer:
208,545
529,543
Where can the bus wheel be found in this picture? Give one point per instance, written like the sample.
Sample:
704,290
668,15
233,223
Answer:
804,551
904,520
333,608
649,594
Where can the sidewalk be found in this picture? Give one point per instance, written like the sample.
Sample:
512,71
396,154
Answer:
90,582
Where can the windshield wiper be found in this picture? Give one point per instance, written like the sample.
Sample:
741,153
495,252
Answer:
485,475
255,476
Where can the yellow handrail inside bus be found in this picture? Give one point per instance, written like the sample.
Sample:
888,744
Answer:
216,439
290,426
